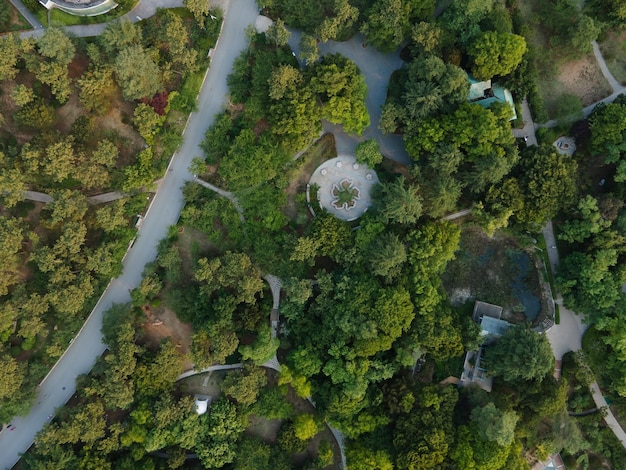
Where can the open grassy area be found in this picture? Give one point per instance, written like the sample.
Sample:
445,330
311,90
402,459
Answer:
15,21
299,174
613,48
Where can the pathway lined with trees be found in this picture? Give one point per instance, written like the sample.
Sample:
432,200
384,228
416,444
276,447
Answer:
26,13
164,211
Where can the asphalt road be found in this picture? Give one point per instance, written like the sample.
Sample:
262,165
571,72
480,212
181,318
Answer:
377,68
164,211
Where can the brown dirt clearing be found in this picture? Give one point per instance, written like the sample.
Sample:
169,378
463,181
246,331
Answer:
584,79
160,323
114,120
193,242
68,113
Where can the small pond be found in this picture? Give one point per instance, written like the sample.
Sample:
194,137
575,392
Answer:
531,303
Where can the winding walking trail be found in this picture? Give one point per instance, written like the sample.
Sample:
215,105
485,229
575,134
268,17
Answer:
59,384
567,335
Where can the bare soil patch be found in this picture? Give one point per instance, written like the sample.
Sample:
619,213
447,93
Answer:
191,243
160,323
116,124
584,79
68,113
263,428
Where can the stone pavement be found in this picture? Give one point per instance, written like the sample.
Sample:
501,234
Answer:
332,172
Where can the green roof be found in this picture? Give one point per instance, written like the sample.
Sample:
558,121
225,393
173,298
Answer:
485,94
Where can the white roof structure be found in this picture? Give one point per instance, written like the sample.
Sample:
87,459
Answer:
202,403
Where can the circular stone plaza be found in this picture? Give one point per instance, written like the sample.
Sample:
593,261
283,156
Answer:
345,186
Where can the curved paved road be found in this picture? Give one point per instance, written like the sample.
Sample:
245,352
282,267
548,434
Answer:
567,336
377,68
59,385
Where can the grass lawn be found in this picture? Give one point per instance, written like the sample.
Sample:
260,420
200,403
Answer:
299,173
16,21
613,47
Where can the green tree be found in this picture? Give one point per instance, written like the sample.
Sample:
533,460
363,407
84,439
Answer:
340,19
12,233
232,272
492,424
253,454
305,426
262,349
398,201
10,49
590,222
309,51
219,435
495,53
387,24
548,183
244,386
59,160
277,33
368,153
137,73
339,85
521,354
36,114
13,184
56,45
199,9
147,122
361,457
22,95
608,126
120,34
96,86
386,256
12,375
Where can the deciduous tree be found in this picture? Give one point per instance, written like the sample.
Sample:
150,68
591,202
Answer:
495,53
137,73
521,354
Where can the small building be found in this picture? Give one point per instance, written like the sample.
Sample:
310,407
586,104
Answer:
485,94
202,403
565,145
492,327
483,309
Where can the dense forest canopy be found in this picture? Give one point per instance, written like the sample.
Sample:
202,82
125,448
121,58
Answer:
367,339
